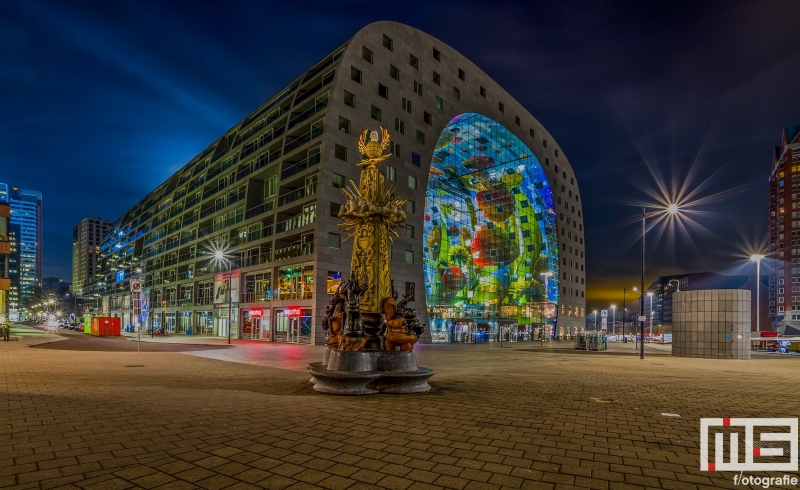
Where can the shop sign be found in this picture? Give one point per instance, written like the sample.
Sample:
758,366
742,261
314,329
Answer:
256,312
293,312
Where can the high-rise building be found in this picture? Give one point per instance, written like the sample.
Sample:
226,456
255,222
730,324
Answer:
5,256
26,214
493,244
86,239
784,232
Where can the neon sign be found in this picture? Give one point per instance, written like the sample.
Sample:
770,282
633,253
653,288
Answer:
256,312
293,312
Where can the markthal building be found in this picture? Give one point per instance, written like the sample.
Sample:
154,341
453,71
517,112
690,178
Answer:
244,240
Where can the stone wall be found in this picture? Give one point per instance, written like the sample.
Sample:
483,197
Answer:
713,324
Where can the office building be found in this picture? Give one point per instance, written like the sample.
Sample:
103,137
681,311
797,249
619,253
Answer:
493,243
86,239
5,257
784,232
26,218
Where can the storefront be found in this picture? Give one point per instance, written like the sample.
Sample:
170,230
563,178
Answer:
185,323
204,324
221,322
293,325
256,324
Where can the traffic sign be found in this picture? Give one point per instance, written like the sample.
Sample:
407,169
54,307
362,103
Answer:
136,286
642,318
604,313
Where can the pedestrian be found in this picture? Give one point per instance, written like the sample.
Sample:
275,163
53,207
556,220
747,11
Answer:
6,327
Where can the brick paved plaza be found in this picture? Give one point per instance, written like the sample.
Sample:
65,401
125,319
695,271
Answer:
524,416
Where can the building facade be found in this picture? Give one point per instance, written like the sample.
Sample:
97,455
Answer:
784,232
659,305
26,222
5,258
86,239
493,243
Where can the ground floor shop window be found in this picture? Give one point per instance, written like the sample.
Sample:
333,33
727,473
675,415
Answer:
293,325
223,322
169,322
185,322
205,325
256,324
296,282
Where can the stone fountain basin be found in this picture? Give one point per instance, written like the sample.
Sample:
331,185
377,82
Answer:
369,372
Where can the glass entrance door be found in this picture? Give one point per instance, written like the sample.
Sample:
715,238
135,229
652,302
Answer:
293,333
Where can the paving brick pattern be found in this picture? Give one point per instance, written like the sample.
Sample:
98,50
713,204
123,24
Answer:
521,417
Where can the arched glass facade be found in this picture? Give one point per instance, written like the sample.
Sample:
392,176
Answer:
490,243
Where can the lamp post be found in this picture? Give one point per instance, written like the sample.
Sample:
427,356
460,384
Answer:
757,259
547,275
650,295
595,319
614,318
220,255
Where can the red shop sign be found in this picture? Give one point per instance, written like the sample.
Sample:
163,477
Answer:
256,312
293,312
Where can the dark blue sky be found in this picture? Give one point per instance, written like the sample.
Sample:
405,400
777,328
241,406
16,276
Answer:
101,101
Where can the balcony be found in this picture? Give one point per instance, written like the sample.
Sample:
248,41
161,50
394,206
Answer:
188,238
326,79
170,261
260,209
185,257
255,297
252,260
207,300
197,184
295,222
298,167
223,203
191,219
173,228
185,302
315,132
220,225
220,186
185,275
294,251
259,162
154,238
320,105
293,196
173,244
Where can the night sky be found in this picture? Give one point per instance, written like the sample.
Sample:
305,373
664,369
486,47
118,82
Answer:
101,101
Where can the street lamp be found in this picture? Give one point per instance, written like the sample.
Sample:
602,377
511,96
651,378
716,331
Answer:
219,256
672,210
650,295
547,275
614,319
595,319
757,258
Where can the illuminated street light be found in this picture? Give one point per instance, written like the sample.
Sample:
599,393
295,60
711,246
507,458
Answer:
673,209
757,258
219,256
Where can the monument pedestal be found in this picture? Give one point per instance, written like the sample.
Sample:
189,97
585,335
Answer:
369,372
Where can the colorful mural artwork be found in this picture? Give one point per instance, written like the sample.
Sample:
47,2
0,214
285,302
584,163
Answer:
491,247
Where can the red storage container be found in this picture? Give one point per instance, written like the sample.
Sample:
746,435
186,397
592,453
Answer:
105,326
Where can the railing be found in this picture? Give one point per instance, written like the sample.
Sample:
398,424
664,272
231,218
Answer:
185,257
170,261
173,228
304,138
259,259
219,206
294,195
295,222
175,212
160,220
256,297
197,184
261,208
191,219
153,253
321,67
188,238
180,194
213,190
204,301
154,238
185,302
221,225
170,278
326,79
224,166
293,251
298,167
259,162
191,202
185,275
202,271
321,104
262,140
173,244
253,235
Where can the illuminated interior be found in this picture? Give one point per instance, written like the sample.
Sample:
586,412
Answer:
490,243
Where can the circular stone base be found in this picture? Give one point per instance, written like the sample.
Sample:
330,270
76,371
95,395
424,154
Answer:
369,382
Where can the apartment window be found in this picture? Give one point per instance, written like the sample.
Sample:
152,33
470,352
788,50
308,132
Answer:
340,152
410,207
409,231
483,92
349,99
439,102
399,126
502,107
409,256
556,152
383,91
415,158
516,119
413,61
426,116
375,113
437,55
366,53
338,180
421,137
544,143
410,291
456,93
344,125
556,168
395,149
334,240
547,161
531,133
394,72
417,88
391,173
461,74
437,79
388,43
355,74
406,105
412,181
335,206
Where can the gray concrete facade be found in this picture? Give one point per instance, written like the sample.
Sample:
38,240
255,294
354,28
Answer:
712,324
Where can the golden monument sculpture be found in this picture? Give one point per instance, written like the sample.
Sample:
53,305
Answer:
366,323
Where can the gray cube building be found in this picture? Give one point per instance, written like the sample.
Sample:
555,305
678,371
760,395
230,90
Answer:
494,240
713,324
